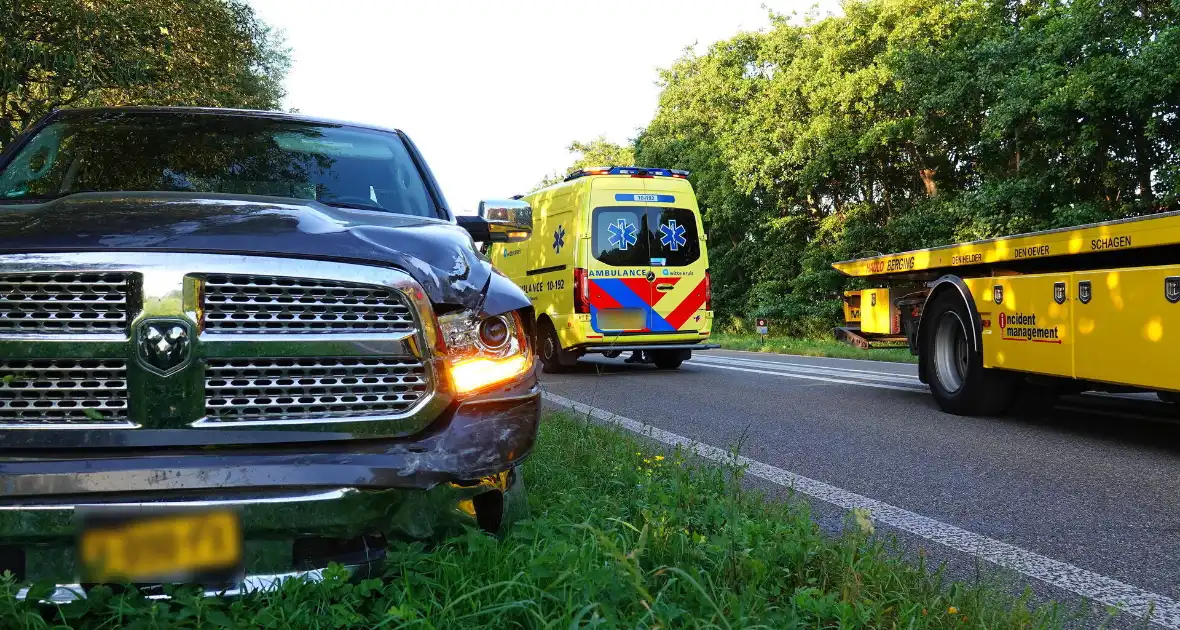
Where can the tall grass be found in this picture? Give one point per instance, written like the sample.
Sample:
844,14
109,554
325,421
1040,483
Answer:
810,347
619,536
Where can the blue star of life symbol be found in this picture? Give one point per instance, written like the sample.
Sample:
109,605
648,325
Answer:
672,235
559,239
622,234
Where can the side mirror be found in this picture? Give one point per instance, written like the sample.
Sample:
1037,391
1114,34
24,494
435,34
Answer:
508,220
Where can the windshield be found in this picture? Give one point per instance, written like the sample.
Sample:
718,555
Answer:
627,236
206,153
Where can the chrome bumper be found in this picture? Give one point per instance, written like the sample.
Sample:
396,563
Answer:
271,522
460,473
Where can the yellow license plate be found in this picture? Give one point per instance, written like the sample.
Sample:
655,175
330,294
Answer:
173,547
622,319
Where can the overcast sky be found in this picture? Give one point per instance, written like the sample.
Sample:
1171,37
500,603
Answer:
493,92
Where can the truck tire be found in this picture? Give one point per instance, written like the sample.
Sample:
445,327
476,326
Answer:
954,370
554,358
668,359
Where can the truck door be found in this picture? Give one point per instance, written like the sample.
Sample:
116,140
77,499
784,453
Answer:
619,270
678,286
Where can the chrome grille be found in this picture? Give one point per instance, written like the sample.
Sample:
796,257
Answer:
63,302
239,390
243,303
53,391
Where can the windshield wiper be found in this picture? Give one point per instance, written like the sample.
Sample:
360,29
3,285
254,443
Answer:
29,199
353,206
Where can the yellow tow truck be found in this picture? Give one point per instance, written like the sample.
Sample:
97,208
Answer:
1094,307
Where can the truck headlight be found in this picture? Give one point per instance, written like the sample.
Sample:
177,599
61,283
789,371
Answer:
484,351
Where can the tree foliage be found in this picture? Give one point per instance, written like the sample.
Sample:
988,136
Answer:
911,123
597,152
61,53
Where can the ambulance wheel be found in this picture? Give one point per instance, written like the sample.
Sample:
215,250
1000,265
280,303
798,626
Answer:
613,354
954,369
554,358
667,359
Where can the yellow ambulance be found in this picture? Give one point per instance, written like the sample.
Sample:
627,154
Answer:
616,263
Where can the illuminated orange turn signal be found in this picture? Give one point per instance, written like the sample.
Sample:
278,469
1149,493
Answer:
480,372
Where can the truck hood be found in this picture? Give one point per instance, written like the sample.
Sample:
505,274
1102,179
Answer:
438,254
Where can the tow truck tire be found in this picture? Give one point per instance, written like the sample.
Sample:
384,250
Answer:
667,359
554,358
959,382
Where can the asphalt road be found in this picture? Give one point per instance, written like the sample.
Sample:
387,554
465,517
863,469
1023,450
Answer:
1081,500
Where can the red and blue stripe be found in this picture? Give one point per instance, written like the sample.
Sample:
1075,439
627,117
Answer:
638,293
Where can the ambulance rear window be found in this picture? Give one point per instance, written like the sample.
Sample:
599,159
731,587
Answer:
675,241
626,236
619,236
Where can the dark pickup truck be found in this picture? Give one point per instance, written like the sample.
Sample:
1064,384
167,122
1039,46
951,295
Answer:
237,346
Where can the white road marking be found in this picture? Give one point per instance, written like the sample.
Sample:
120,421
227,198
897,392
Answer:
803,366
917,387
818,370
1163,611
904,382
803,356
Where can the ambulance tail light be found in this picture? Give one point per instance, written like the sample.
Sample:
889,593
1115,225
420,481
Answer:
581,292
708,292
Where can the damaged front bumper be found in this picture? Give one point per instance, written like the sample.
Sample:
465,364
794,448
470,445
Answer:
301,506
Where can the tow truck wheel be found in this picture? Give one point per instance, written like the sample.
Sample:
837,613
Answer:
554,359
667,359
954,369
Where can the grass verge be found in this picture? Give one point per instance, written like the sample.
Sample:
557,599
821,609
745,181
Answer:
620,535
810,348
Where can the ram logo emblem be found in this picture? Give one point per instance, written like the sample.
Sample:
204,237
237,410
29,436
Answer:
163,346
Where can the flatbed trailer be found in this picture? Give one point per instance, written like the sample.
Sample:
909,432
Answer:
1094,307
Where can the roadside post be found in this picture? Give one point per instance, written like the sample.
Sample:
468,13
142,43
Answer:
763,329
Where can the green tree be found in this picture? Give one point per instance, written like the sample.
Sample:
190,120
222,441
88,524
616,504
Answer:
911,123
63,53
597,152
800,150
1062,112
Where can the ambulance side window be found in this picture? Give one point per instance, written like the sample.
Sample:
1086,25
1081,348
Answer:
619,236
674,236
